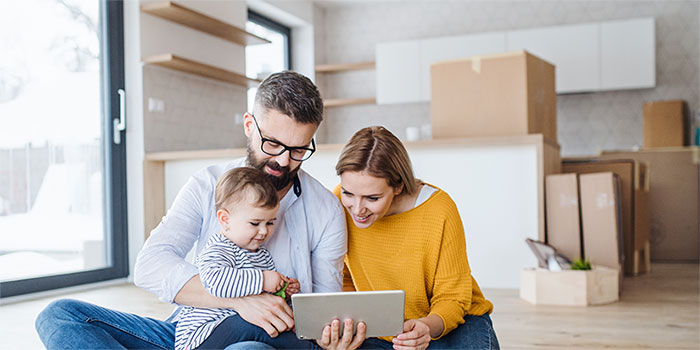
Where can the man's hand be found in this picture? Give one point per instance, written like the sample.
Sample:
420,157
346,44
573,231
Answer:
266,311
416,335
331,339
273,281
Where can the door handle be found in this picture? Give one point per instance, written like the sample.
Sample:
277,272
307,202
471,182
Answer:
120,123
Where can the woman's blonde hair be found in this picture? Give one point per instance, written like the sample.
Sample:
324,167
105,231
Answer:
243,183
378,152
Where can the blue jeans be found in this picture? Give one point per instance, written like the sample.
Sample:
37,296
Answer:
224,335
73,324
475,333
249,345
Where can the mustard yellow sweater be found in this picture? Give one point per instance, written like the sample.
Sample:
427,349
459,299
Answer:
421,251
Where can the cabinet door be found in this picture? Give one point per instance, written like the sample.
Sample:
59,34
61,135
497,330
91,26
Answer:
628,54
574,50
398,72
456,47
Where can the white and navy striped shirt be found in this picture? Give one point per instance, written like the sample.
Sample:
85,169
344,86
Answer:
227,271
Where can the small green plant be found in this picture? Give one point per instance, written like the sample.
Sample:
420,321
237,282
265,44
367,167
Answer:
579,264
281,293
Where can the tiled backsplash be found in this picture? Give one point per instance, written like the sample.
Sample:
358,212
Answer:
199,113
586,122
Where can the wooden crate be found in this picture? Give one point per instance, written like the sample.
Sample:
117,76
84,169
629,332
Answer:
574,288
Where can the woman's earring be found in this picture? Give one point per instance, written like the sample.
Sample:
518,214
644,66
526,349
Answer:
226,228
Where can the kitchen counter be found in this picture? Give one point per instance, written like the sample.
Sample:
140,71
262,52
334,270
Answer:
496,182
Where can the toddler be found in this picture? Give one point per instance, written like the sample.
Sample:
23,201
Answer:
235,264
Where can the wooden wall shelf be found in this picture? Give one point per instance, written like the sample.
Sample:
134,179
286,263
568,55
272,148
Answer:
171,61
333,68
338,102
177,13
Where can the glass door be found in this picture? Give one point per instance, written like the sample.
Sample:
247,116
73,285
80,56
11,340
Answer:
62,163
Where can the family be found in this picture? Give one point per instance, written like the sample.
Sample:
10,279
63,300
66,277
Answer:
261,225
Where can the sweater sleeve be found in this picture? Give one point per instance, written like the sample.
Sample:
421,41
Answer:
452,289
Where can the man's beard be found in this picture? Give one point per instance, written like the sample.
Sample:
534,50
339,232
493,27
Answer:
279,182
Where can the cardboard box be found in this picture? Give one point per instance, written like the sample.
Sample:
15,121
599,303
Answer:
562,213
508,94
579,288
634,185
600,212
674,201
665,124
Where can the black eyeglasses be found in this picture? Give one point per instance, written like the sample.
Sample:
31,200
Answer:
275,148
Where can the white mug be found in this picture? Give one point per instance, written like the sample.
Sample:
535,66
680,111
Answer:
412,133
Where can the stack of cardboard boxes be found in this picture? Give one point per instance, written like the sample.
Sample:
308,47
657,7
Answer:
673,201
659,190
658,198
618,210
632,182
513,94
673,196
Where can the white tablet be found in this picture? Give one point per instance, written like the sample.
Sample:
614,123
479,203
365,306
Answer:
381,311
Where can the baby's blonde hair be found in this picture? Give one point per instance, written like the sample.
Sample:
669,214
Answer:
238,184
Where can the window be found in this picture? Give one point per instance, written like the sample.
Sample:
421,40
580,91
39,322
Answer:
62,172
265,59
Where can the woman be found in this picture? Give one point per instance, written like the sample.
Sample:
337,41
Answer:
406,234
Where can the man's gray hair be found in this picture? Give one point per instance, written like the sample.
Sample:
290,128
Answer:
292,94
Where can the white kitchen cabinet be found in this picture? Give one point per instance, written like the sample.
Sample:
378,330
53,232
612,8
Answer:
455,47
573,49
628,54
398,72
403,68
588,57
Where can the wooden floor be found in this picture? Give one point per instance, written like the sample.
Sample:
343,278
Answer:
660,310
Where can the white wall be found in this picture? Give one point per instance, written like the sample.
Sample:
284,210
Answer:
134,131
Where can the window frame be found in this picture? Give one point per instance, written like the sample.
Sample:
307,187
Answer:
114,166
264,21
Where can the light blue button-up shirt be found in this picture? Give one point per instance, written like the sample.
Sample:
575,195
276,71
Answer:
309,242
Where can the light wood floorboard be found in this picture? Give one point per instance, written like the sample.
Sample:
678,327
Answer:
660,310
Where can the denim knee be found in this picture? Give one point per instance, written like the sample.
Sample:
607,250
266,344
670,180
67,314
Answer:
61,309
249,345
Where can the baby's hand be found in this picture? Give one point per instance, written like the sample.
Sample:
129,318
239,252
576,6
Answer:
293,287
273,281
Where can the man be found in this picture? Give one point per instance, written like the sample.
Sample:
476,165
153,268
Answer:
309,240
